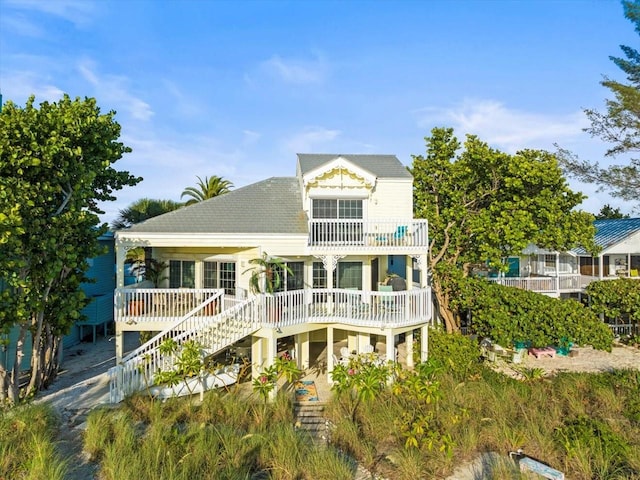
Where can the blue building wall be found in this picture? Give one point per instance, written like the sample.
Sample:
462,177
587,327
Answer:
99,311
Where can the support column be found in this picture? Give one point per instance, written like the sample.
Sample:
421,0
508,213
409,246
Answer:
391,347
119,344
257,357
352,341
271,351
330,364
302,350
408,340
364,339
424,343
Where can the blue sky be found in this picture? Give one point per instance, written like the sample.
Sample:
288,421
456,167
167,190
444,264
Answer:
237,88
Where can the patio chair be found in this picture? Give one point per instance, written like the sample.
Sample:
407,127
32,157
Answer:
344,352
400,234
367,349
387,301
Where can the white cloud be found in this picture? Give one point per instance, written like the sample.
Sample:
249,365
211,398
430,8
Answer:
23,84
299,72
311,139
114,89
78,12
508,129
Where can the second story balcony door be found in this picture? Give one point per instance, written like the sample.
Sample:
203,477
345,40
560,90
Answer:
337,221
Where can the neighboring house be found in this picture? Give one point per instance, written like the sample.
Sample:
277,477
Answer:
99,311
341,225
564,274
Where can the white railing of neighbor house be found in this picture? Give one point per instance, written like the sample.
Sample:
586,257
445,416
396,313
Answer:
542,284
213,331
369,233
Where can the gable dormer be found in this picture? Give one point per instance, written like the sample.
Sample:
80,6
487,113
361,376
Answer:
380,185
338,177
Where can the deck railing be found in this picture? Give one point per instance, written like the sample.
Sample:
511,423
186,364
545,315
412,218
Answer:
354,307
368,233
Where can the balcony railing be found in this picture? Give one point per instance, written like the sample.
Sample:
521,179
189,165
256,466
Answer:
283,309
563,283
368,233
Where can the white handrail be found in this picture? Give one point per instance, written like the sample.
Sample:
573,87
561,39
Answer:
214,332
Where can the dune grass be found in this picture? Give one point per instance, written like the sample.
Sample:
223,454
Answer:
27,446
584,424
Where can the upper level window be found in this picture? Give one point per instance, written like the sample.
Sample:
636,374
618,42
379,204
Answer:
336,208
182,274
549,260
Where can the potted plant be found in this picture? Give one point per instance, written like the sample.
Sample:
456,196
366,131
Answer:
266,279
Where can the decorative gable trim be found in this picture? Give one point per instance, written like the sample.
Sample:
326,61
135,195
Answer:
340,167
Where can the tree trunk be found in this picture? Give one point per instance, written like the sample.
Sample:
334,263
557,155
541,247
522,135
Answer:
451,320
13,384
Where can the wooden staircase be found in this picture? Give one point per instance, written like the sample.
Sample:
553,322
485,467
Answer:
309,417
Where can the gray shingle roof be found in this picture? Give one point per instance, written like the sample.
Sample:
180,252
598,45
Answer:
273,205
610,232
382,166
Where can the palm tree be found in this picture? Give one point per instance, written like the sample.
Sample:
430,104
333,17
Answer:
142,210
208,188
137,212
266,273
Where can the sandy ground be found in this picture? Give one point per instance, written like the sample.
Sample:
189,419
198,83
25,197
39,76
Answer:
83,385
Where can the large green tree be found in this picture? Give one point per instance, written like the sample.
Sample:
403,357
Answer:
208,188
484,205
619,126
56,165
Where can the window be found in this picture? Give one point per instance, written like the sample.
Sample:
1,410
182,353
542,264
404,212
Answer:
550,261
319,275
346,275
220,275
182,274
335,208
293,280
336,220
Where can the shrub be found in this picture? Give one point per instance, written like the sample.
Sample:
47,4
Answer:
460,355
617,300
508,315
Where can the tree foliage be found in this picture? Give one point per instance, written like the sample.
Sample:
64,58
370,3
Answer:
208,188
484,205
619,125
617,300
508,315
607,212
56,164
267,273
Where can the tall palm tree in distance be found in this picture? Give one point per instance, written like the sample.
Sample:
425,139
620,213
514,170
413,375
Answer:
208,188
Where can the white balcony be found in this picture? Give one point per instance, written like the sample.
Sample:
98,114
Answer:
373,234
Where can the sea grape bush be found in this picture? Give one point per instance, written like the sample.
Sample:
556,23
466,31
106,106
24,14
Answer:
508,315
